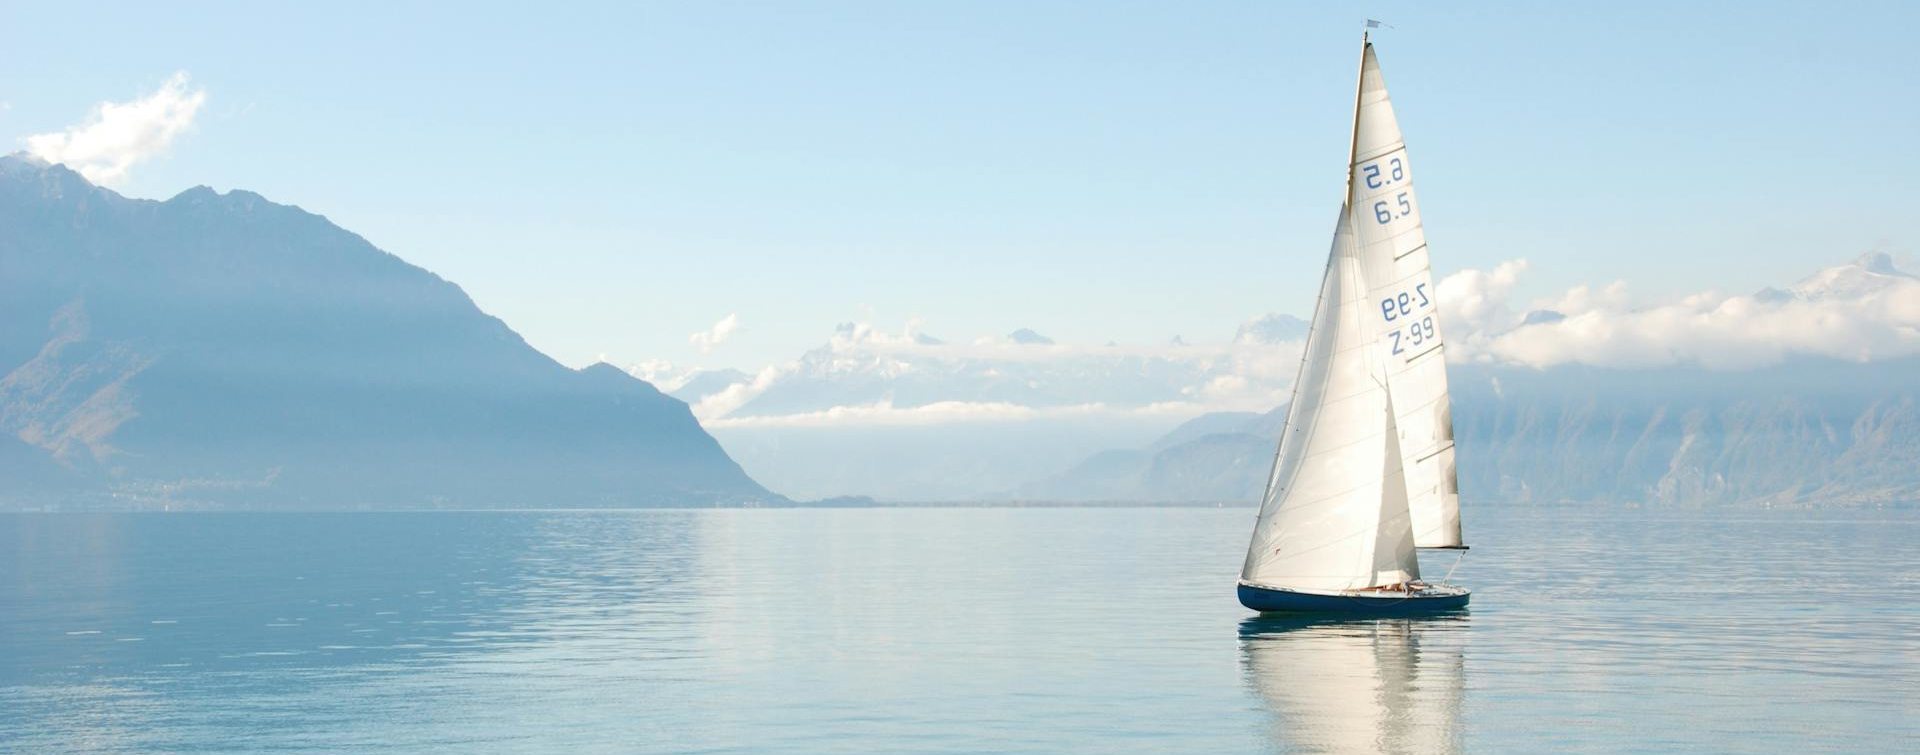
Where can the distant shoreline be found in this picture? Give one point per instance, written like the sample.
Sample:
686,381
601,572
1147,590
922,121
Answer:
1248,506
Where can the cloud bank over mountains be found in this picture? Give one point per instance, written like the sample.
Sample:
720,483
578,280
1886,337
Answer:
903,415
900,414
866,375
117,135
1865,311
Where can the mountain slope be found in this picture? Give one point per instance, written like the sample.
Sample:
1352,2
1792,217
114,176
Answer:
1807,432
223,350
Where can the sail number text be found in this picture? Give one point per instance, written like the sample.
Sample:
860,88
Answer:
1416,333
1384,212
1403,307
1375,178
1405,303
1382,174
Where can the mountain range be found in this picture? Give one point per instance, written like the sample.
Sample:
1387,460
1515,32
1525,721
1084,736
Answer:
223,351
1811,433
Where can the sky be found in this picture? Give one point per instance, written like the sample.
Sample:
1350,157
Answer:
720,184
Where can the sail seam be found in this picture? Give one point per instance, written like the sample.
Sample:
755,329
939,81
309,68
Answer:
1343,446
1323,546
1417,227
1327,497
1424,404
1397,147
1408,276
1401,148
1436,347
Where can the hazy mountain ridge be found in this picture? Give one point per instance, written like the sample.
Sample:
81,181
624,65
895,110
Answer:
1809,433
180,352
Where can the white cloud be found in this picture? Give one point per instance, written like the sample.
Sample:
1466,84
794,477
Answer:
1859,312
716,405
663,374
1476,300
705,340
116,135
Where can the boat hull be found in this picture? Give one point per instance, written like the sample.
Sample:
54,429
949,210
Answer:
1431,600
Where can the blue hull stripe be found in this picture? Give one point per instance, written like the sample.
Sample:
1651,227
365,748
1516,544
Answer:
1277,601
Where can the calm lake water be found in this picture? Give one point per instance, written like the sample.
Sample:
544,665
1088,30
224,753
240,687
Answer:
940,630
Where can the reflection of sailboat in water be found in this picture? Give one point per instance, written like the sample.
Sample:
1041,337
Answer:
1370,685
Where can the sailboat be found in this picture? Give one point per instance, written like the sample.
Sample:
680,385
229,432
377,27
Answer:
1364,475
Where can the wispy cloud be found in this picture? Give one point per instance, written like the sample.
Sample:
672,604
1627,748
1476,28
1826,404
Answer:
705,340
117,135
734,396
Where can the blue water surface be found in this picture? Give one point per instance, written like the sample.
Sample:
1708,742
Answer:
957,630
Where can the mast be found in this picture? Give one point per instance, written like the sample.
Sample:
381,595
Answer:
1353,143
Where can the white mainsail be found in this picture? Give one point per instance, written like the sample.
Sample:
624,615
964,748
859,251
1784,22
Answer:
1335,512
1402,309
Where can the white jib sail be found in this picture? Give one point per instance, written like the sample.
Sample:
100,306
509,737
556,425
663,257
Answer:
1401,308
1335,513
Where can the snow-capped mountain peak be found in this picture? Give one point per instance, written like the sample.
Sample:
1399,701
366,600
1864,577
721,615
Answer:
1872,272
1026,336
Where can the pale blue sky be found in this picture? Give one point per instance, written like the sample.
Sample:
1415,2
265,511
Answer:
610,179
